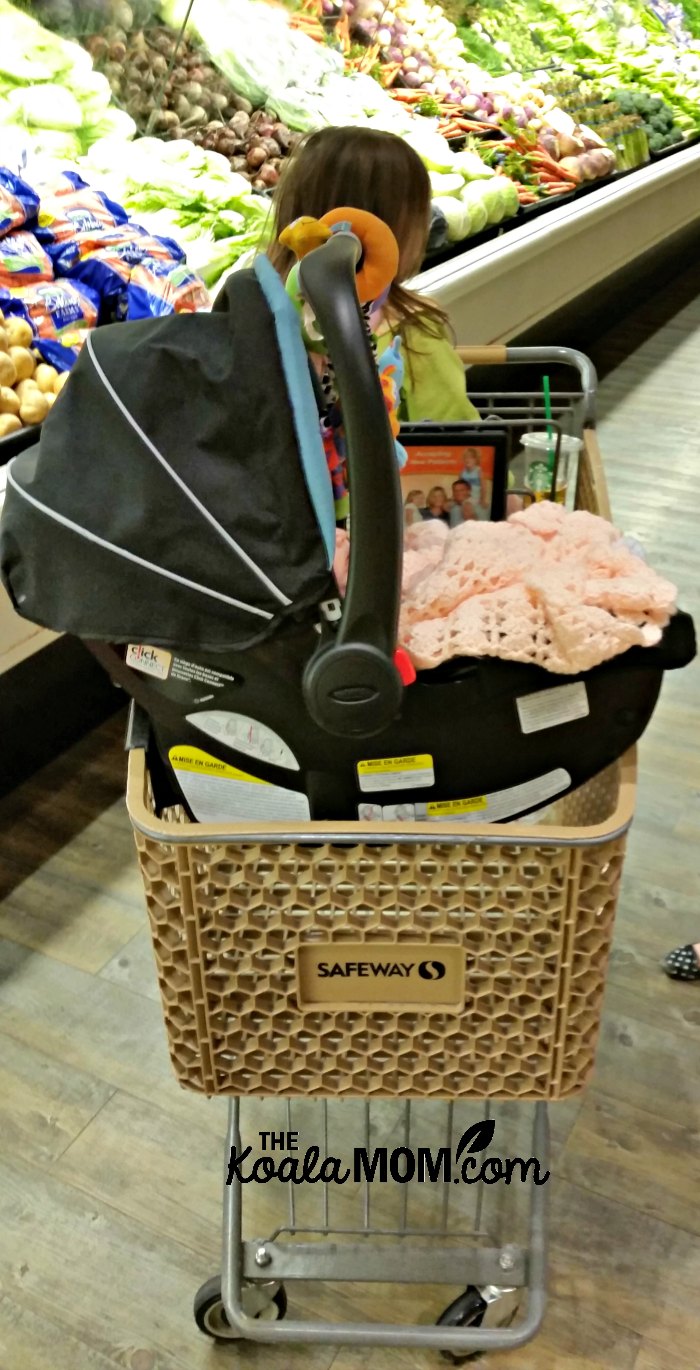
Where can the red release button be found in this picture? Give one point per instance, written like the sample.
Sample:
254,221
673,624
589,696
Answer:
404,666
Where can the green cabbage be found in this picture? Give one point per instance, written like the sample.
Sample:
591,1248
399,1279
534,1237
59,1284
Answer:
510,195
445,183
458,217
471,167
494,200
432,149
472,195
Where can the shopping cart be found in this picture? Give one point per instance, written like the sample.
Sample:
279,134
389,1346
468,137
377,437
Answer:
240,913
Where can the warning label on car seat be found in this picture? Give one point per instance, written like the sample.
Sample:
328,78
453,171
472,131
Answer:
484,808
219,793
551,708
396,773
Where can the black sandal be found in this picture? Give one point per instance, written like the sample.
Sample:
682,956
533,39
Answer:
682,964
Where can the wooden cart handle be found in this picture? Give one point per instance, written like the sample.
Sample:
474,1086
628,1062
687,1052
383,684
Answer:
492,354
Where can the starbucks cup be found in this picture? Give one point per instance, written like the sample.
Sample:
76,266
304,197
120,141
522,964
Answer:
538,477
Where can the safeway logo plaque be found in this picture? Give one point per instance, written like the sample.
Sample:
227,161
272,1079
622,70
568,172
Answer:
370,973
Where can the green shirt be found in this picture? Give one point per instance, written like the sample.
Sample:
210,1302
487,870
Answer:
434,385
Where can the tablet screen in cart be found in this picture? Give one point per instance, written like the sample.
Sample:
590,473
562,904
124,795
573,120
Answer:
454,472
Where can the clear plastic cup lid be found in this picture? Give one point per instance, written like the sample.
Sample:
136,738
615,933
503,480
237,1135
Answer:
542,441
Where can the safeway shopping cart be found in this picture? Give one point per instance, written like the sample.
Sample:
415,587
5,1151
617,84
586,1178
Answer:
240,915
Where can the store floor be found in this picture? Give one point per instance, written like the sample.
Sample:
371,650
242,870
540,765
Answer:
110,1175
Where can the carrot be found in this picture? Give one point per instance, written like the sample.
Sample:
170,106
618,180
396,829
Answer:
389,74
547,163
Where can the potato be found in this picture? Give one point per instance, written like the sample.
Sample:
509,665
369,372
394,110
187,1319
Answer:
9,423
25,364
45,377
34,407
50,398
4,339
60,381
9,400
8,374
24,387
19,333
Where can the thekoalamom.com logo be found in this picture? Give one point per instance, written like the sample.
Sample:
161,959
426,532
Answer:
400,1165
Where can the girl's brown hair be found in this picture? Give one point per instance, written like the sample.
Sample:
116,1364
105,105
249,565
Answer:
365,169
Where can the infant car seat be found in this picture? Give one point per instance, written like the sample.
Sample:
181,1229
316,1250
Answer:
177,515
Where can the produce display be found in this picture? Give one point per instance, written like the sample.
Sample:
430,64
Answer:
509,103
50,96
420,46
655,116
28,386
70,260
195,101
616,41
183,192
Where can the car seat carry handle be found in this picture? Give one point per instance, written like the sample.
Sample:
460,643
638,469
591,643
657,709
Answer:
352,686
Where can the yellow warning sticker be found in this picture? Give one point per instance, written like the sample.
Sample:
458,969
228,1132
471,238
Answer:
395,773
201,763
454,808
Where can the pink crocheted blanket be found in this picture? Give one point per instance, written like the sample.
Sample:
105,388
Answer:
556,589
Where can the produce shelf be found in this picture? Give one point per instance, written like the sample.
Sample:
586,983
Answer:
498,289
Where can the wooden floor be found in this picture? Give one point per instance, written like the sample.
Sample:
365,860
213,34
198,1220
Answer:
110,1176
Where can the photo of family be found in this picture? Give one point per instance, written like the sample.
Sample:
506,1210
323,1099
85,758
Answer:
453,484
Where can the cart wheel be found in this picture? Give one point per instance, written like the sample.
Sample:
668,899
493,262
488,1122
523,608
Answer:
467,1310
210,1314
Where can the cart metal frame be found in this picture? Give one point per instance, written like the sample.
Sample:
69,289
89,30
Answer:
501,1272
253,1270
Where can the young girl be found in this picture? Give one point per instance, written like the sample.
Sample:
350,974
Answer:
378,172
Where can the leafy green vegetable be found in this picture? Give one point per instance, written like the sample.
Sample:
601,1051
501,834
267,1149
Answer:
46,106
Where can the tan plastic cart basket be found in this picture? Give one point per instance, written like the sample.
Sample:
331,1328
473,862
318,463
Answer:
526,909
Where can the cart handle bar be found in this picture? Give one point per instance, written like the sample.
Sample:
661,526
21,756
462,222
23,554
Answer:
351,684
497,354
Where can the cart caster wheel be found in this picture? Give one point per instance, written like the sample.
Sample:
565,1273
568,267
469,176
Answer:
467,1310
263,1300
490,1307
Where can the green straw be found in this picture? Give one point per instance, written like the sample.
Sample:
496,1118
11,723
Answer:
548,415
